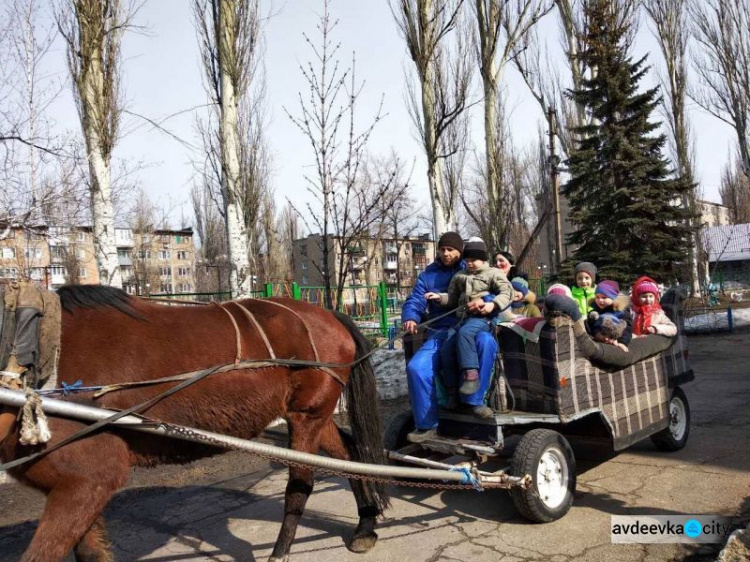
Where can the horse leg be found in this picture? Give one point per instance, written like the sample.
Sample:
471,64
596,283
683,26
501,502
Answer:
304,435
338,445
80,479
94,546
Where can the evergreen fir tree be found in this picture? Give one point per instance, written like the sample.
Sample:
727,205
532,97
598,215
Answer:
624,198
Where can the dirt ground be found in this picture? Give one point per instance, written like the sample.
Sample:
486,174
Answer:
228,507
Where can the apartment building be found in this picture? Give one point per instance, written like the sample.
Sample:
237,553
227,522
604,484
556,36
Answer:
366,261
155,262
159,261
49,255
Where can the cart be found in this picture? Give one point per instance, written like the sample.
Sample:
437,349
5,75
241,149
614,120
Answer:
547,394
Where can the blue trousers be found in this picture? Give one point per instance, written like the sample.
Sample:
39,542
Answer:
422,373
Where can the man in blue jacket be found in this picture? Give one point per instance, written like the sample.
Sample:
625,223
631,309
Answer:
423,369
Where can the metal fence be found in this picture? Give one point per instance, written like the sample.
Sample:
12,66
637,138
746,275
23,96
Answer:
375,308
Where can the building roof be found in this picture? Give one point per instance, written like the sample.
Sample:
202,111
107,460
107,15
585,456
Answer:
727,243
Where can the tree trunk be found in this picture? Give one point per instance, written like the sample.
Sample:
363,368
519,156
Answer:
441,211
91,92
237,233
102,212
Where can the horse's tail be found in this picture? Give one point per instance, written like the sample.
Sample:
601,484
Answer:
366,444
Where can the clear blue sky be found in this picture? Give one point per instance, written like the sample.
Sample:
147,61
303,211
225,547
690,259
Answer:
162,76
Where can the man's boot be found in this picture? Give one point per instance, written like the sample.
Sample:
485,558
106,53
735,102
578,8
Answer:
470,382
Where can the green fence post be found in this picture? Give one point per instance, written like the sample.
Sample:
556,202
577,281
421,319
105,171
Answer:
296,292
383,298
269,290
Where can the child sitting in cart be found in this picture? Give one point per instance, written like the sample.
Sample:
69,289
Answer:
649,316
524,299
459,352
610,320
583,290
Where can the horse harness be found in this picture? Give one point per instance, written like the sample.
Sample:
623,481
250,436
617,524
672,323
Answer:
238,360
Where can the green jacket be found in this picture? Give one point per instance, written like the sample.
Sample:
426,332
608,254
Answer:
466,286
583,297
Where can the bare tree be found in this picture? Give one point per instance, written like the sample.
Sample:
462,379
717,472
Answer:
672,32
345,206
289,227
211,265
722,62
502,33
441,92
229,32
29,150
93,31
735,193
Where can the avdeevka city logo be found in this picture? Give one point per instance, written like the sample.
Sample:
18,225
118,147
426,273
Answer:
693,528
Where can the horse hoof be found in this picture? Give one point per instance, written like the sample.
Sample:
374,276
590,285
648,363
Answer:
363,543
277,559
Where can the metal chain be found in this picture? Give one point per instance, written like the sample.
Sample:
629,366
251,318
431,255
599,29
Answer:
167,428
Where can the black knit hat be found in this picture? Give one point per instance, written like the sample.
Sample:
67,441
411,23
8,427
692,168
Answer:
476,249
452,240
508,256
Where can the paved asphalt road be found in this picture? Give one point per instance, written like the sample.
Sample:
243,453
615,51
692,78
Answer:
229,507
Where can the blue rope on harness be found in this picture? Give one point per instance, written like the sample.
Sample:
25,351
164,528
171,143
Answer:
468,478
68,389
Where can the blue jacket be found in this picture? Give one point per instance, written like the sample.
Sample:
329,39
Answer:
435,279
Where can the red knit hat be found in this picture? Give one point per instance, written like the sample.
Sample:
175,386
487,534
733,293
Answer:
645,285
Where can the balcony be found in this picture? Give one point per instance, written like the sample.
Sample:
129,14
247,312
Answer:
390,265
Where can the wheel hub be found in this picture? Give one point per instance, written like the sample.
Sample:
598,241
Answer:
552,477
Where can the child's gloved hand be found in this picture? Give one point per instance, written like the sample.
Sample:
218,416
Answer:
432,296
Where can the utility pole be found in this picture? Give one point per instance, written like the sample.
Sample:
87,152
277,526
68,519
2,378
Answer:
554,161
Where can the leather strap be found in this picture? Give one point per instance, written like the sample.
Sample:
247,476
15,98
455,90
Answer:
309,333
261,331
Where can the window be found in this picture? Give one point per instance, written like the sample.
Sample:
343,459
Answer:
123,235
165,287
80,254
183,271
9,253
33,235
57,271
32,253
304,279
186,239
184,288
182,255
144,254
83,273
305,265
57,252
164,238
8,272
58,231
165,254
178,239
81,236
36,273
165,271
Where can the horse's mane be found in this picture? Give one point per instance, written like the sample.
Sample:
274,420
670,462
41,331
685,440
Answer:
96,296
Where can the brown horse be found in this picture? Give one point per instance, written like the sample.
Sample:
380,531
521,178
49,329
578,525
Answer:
109,337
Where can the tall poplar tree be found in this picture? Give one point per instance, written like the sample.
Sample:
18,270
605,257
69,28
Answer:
624,196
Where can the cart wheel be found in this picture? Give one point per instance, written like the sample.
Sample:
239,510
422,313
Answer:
547,457
674,437
397,430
